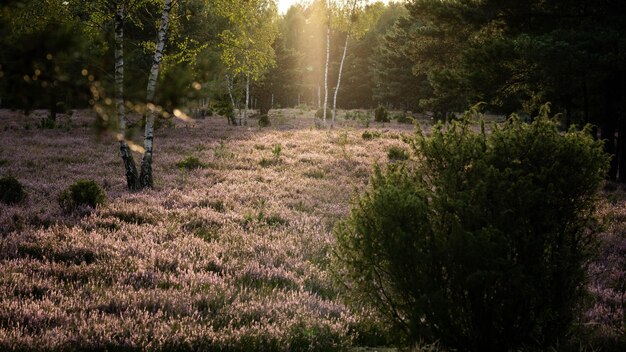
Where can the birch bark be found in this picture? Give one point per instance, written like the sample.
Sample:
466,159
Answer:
146,179
126,153
345,48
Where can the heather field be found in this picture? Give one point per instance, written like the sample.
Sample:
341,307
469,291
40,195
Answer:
232,256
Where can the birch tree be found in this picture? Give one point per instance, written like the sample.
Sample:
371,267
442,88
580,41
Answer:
145,178
125,151
349,13
99,15
247,50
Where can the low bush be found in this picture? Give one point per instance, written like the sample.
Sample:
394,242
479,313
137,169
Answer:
11,190
381,114
396,153
481,245
367,135
264,121
403,118
190,163
82,193
46,123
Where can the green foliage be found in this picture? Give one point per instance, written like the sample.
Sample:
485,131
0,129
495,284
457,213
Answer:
396,153
222,152
363,117
223,107
80,194
276,150
264,121
46,124
480,245
367,135
11,190
381,114
403,118
190,163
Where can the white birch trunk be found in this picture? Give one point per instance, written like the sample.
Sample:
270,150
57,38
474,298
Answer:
146,179
126,153
326,73
345,48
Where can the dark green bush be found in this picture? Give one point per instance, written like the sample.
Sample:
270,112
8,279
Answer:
403,118
82,193
46,123
11,190
396,153
381,114
223,107
190,163
367,135
481,244
264,121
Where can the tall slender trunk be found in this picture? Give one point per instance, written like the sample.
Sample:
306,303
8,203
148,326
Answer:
145,178
343,57
326,72
126,153
245,114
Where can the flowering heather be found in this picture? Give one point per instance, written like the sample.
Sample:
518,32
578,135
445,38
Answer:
232,256
608,273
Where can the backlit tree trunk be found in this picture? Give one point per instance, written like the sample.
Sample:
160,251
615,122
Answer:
343,57
145,178
326,72
127,155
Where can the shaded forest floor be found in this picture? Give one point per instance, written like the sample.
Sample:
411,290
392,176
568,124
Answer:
233,256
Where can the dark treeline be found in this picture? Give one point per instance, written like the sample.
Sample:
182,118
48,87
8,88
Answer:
422,55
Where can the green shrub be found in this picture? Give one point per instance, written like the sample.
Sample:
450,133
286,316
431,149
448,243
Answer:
396,153
82,193
190,163
264,121
277,150
11,190
481,245
222,152
403,118
46,123
381,114
367,135
275,160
